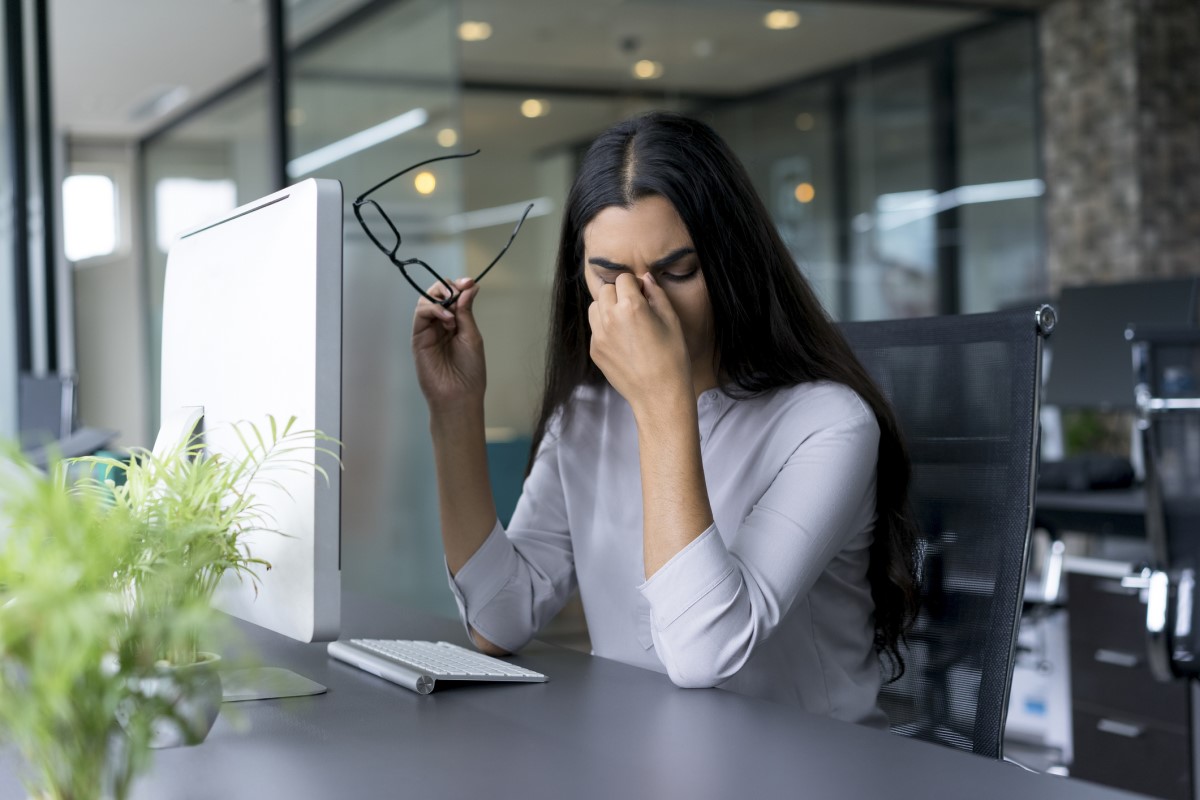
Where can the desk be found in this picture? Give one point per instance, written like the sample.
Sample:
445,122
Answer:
1120,512
597,729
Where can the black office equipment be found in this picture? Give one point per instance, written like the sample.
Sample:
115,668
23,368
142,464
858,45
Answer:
965,390
1089,365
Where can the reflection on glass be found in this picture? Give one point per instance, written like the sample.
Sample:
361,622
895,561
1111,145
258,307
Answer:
786,143
893,269
1001,251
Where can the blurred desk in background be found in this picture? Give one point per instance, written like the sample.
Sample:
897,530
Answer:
1103,512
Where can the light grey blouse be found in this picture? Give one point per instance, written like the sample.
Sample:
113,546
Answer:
771,601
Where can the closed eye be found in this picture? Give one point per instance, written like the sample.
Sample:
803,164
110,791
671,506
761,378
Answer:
679,277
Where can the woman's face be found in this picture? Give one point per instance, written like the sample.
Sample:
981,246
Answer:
650,237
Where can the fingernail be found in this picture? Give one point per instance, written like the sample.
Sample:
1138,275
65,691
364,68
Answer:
463,283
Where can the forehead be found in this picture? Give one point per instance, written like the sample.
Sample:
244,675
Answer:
651,223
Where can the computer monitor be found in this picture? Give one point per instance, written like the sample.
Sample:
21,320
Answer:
252,327
1090,361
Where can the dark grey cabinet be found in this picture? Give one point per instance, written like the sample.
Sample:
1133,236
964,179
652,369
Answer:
1130,731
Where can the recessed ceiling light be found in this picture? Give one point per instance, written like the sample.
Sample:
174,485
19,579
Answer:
447,137
781,20
646,70
471,31
425,182
805,193
533,108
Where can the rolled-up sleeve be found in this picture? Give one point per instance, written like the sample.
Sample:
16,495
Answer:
521,577
713,603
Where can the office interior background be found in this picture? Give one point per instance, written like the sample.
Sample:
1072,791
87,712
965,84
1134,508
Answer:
942,157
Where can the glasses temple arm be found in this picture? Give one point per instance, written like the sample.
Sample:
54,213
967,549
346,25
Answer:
500,255
386,181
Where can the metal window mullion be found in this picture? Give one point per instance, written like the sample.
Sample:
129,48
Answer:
14,55
945,177
277,92
47,236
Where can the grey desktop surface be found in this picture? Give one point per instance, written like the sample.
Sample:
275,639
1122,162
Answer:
597,729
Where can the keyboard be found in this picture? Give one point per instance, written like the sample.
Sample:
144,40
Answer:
420,665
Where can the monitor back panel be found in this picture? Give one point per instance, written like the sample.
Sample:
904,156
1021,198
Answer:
1090,362
251,329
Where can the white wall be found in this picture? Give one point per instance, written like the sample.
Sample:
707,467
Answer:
110,324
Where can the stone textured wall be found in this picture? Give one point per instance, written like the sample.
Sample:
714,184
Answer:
1169,135
1121,138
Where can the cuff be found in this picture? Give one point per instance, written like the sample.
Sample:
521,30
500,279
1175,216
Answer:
688,577
485,573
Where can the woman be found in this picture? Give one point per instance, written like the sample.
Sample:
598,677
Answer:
711,465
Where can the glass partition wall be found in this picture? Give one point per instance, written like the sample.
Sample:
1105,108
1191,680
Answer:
394,75
8,316
191,173
895,147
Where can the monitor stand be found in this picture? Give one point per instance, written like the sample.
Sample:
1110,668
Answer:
265,683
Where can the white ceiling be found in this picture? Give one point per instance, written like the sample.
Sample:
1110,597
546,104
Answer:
111,59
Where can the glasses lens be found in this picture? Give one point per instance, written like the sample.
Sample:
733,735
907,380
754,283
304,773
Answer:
378,227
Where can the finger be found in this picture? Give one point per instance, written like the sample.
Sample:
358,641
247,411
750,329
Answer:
464,306
438,291
628,287
428,313
656,297
607,294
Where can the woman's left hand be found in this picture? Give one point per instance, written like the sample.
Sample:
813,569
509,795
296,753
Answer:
637,341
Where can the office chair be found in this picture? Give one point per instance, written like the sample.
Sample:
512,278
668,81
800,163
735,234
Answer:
46,408
1166,366
965,390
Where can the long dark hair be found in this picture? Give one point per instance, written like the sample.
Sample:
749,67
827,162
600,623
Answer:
771,330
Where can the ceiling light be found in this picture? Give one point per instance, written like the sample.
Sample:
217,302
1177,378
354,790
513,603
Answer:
805,193
447,137
646,69
425,182
781,20
160,102
805,121
357,142
532,108
470,31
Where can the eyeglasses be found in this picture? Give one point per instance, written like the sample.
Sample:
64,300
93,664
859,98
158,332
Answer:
382,232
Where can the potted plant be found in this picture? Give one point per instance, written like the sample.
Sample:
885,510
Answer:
192,512
69,637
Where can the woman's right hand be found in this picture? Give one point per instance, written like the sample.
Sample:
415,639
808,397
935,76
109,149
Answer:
448,349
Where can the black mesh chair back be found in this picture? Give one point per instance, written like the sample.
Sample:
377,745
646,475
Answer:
1167,388
965,390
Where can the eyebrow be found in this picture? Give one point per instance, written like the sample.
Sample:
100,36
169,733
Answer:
666,261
